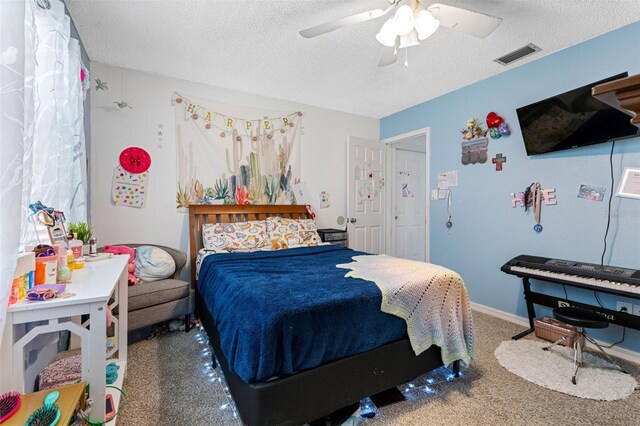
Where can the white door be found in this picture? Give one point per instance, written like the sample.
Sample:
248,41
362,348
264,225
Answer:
365,194
409,199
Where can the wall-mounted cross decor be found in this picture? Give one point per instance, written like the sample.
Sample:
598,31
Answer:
498,160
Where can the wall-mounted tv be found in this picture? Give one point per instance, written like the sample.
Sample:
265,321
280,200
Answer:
571,120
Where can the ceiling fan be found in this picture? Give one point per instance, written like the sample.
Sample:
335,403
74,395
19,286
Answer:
412,22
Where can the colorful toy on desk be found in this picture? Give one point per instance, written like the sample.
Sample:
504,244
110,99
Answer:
48,414
9,404
112,373
64,274
45,292
131,267
52,219
44,250
46,268
40,295
65,265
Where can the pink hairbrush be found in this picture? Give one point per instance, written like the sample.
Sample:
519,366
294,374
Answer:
9,404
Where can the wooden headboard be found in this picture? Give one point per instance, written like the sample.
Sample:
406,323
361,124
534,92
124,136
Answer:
201,214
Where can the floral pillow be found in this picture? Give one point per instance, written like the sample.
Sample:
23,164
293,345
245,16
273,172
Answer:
290,233
235,236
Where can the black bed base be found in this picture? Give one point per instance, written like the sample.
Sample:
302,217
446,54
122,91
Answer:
311,394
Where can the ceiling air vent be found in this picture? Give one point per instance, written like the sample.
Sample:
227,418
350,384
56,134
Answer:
518,54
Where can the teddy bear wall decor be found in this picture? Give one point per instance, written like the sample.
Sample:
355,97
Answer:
475,143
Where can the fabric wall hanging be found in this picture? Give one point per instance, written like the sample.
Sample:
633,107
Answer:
130,178
230,160
129,189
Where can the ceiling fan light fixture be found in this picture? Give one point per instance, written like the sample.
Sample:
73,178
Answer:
387,35
404,20
425,23
409,40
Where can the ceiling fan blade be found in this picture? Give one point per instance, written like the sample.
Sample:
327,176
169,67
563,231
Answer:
473,23
327,27
389,55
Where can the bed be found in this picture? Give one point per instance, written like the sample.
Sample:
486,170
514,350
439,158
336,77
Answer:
294,391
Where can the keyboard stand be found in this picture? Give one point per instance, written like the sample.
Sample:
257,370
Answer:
531,297
531,311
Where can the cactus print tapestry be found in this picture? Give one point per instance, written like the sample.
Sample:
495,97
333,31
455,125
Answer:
223,159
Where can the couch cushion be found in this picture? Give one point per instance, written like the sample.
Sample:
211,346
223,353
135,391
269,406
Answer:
153,293
155,314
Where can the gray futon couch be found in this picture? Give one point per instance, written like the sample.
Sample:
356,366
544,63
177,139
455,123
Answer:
162,300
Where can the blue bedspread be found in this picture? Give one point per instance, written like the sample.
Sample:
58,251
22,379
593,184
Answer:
284,311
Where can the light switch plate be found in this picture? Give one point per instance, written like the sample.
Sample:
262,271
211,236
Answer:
434,194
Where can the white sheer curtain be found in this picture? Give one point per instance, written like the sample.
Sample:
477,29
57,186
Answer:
54,154
12,79
42,150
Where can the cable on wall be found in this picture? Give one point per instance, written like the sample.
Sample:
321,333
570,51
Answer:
606,233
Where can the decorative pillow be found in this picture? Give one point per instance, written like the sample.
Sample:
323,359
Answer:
290,233
235,236
153,263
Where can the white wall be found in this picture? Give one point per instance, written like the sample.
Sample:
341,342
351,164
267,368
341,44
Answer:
322,145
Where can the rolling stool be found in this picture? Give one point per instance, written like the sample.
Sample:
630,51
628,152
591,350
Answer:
580,319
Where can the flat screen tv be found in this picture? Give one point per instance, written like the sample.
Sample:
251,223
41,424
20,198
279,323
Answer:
571,120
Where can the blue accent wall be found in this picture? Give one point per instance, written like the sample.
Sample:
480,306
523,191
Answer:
487,231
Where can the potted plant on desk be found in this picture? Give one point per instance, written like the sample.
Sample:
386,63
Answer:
82,231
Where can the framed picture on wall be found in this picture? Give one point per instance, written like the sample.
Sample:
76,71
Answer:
630,183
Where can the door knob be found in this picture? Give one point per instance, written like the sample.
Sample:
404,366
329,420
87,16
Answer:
353,220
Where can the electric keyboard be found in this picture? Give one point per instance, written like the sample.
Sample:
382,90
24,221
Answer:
590,276
611,279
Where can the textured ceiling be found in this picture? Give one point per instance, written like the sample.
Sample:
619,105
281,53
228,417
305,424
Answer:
254,46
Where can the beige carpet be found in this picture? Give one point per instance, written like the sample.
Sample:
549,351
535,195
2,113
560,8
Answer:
167,384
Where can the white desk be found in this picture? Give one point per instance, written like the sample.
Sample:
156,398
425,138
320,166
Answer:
94,286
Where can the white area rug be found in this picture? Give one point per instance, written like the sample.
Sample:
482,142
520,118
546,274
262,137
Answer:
549,369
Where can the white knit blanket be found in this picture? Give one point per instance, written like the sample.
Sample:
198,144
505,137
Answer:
431,299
